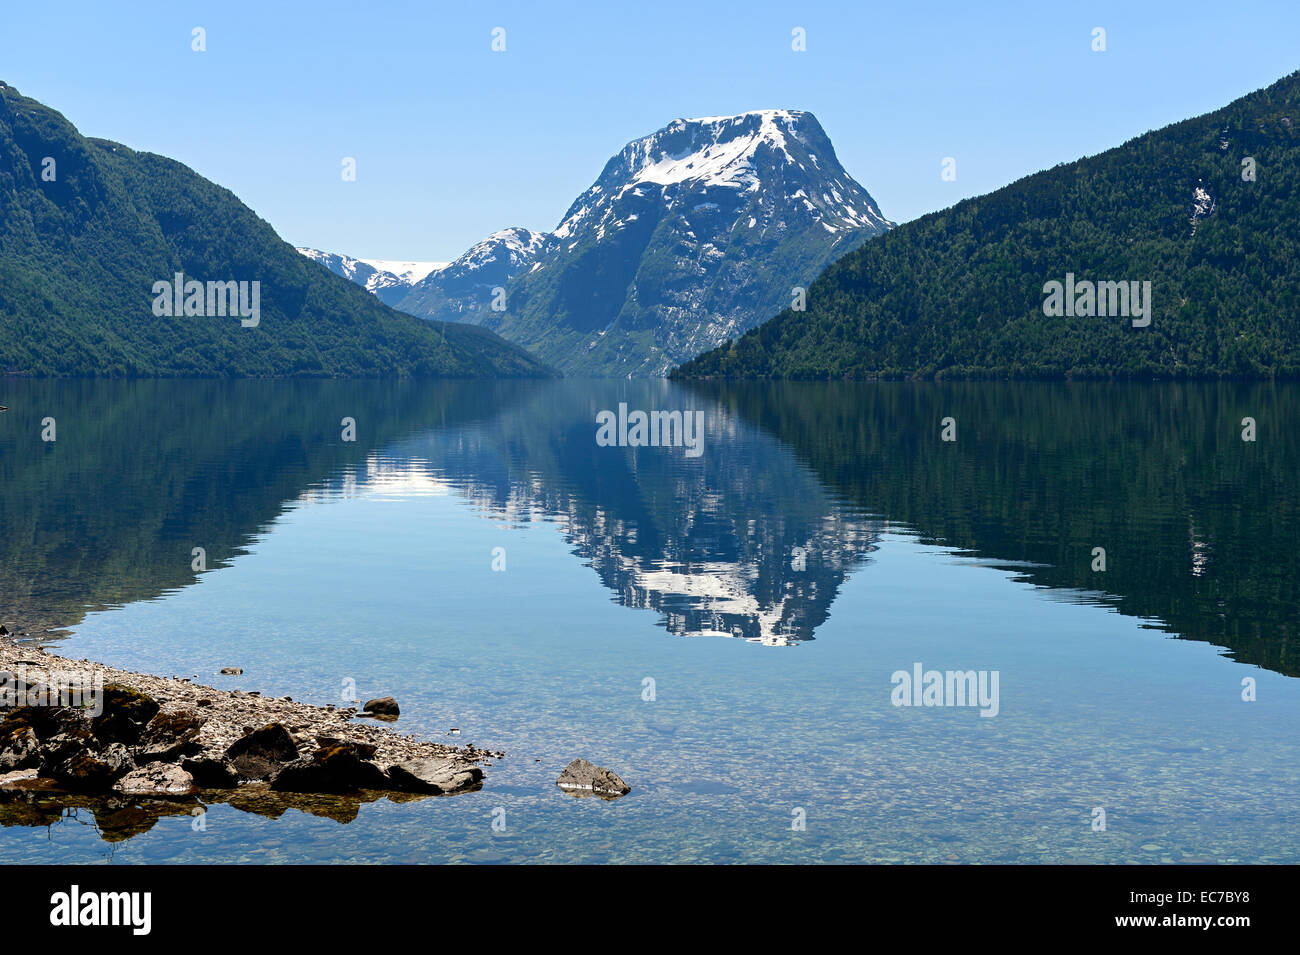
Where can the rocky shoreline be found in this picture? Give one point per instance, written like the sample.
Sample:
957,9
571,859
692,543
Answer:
78,728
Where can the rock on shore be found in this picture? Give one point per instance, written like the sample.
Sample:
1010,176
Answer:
583,778
384,708
136,735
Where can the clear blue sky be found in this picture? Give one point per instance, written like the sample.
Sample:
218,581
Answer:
454,141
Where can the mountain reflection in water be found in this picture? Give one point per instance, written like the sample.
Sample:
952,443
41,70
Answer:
752,539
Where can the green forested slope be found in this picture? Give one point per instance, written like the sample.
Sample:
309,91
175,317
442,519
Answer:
79,255
959,293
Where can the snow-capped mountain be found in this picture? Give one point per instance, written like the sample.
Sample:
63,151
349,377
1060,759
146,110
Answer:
464,287
689,237
407,272
742,155
390,280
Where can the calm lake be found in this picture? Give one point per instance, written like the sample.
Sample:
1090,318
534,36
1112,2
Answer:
721,630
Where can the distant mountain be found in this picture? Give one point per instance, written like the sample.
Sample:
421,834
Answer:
459,291
689,237
1205,211
390,281
93,235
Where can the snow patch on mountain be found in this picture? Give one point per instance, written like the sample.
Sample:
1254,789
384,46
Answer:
408,272
390,280
517,245
724,154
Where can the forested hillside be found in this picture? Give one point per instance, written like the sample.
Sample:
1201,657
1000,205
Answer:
87,227
1206,210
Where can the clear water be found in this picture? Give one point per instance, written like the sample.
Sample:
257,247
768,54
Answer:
824,539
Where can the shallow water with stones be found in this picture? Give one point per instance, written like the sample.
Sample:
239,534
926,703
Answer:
720,630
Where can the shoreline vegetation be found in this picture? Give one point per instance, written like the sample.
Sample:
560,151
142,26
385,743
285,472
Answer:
135,747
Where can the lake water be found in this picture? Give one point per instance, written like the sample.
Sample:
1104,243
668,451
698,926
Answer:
721,630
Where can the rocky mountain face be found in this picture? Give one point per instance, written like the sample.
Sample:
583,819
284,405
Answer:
688,238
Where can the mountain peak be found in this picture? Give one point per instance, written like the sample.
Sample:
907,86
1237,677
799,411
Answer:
716,150
690,235
770,150
516,242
